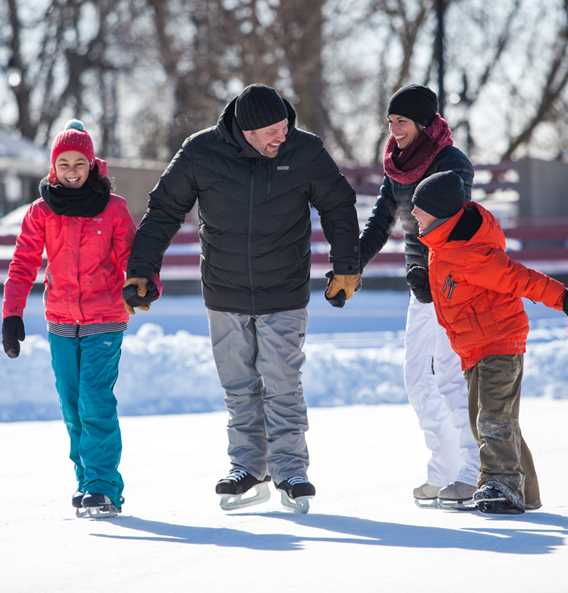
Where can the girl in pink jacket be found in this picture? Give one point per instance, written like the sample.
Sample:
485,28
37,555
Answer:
87,232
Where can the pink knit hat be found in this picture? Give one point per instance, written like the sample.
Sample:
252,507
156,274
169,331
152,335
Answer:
73,137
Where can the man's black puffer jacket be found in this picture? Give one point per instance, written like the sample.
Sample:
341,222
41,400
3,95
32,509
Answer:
395,199
254,216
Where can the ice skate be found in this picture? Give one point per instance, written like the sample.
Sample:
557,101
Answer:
490,499
77,502
240,489
295,493
426,496
97,506
457,495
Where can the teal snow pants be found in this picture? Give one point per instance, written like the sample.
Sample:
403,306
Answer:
86,370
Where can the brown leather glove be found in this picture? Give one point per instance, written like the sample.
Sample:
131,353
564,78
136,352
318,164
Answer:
349,283
141,290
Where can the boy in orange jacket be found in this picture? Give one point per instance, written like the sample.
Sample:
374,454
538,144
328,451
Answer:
477,290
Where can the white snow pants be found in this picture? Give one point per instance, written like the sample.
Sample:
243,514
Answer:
437,391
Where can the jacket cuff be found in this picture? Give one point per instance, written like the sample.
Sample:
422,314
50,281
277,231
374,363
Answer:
140,271
12,312
347,268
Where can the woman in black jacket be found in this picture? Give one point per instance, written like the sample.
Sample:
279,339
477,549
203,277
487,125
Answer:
420,144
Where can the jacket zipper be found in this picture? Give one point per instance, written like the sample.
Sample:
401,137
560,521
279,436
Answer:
432,268
251,205
80,226
270,172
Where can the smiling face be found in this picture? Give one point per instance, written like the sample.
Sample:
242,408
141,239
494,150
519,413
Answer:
423,219
72,169
267,140
403,129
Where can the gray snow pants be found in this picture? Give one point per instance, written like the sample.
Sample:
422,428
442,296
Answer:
258,359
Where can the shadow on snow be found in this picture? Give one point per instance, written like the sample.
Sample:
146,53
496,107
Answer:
352,530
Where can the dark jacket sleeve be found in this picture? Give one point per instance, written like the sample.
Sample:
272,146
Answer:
169,202
379,225
334,199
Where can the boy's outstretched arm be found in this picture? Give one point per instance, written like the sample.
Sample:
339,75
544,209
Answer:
495,270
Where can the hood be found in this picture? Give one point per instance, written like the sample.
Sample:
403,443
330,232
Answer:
229,130
489,233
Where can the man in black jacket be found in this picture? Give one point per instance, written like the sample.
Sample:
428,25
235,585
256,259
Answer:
254,176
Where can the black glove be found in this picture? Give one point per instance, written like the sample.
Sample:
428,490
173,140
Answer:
13,333
130,294
417,278
565,303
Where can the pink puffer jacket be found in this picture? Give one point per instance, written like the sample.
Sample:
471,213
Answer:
86,263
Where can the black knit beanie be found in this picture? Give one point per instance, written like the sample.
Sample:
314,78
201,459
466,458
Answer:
259,106
441,194
418,103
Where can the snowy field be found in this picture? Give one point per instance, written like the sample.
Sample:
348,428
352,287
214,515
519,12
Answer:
363,534
354,356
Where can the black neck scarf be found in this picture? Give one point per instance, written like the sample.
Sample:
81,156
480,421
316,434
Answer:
86,201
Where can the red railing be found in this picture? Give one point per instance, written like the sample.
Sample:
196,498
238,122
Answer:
540,243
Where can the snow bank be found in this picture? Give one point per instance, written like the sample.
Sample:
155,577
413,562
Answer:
167,374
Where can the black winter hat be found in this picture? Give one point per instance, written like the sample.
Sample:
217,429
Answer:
419,103
259,106
441,194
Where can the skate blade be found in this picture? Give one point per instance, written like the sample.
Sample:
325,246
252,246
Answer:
426,503
457,505
298,505
230,502
106,511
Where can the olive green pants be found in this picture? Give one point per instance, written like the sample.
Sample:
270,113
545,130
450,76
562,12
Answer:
494,396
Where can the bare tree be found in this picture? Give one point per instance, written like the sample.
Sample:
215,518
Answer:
551,90
301,27
71,67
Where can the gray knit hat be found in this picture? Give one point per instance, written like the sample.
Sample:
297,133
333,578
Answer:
259,106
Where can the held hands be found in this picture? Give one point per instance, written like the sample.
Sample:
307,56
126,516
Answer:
139,292
417,278
13,333
341,287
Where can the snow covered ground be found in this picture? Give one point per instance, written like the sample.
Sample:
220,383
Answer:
354,356
363,534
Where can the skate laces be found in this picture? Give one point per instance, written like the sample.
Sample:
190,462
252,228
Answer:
236,474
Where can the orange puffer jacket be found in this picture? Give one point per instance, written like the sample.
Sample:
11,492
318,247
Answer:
477,290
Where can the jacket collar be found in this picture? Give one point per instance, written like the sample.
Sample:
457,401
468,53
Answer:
438,232
489,232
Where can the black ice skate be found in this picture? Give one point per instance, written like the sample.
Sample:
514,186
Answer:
98,506
77,501
238,483
295,493
490,499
